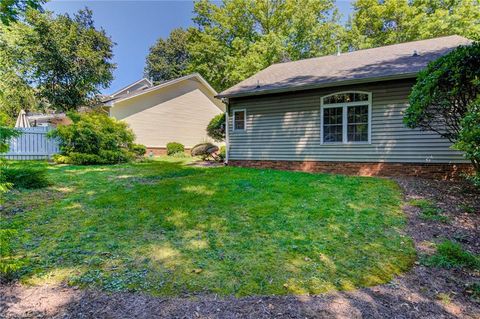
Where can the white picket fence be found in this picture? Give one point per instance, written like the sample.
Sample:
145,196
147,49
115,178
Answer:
33,144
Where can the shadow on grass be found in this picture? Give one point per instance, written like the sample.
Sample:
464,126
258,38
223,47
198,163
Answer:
168,229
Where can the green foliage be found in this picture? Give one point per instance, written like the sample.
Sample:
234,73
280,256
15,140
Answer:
216,128
174,148
473,290
10,266
139,150
6,133
238,38
28,177
168,58
95,138
377,23
11,10
204,150
468,139
65,58
428,210
443,98
222,154
154,226
451,255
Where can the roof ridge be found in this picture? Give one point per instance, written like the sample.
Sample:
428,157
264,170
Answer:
367,49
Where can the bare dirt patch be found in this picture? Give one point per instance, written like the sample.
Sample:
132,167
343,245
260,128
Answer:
423,292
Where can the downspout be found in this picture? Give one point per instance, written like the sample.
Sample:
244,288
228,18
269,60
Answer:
227,140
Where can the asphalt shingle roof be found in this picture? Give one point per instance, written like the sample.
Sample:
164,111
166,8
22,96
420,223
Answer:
394,61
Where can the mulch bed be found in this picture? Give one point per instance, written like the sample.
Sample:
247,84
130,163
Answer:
423,292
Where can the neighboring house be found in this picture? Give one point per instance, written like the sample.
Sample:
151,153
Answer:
340,113
178,110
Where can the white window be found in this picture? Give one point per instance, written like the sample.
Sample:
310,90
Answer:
239,120
346,118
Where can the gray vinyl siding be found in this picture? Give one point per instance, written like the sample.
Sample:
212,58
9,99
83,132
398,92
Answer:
287,127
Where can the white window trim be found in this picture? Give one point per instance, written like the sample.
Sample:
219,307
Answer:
344,107
244,120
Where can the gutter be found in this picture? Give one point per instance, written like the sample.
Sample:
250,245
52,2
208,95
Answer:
318,85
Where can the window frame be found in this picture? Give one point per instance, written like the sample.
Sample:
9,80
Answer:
234,129
344,107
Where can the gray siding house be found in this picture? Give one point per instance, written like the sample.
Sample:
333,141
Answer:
341,114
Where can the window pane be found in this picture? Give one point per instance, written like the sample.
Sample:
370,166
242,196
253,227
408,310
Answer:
345,98
332,124
357,128
239,122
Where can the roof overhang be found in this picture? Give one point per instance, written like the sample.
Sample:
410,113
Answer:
196,76
317,86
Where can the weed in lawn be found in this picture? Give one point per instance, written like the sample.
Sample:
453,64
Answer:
469,209
451,255
428,210
473,290
165,228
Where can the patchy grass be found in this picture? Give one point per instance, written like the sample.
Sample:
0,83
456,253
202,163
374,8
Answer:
429,211
451,255
165,228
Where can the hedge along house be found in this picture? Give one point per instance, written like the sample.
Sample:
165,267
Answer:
340,114
178,110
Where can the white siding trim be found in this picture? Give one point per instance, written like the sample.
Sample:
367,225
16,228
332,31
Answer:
244,120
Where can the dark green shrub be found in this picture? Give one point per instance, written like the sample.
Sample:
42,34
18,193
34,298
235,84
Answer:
96,139
174,148
216,128
26,177
139,150
204,150
450,254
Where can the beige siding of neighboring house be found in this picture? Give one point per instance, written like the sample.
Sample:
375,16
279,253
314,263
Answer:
287,127
177,113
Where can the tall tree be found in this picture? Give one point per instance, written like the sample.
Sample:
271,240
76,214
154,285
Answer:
236,39
10,10
167,58
376,23
64,59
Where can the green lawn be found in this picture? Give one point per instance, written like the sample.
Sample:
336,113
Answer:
169,229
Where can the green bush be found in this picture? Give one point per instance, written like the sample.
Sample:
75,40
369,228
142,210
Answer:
450,254
139,150
174,148
204,150
216,128
95,138
26,177
222,154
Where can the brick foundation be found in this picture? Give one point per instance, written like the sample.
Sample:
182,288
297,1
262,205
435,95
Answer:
435,171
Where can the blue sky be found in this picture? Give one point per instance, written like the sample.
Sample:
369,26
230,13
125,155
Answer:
135,25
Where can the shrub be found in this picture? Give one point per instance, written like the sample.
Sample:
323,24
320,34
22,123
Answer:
222,154
216,128
139,150
26,177
174,148
450,254
204,150
443,100
96,139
